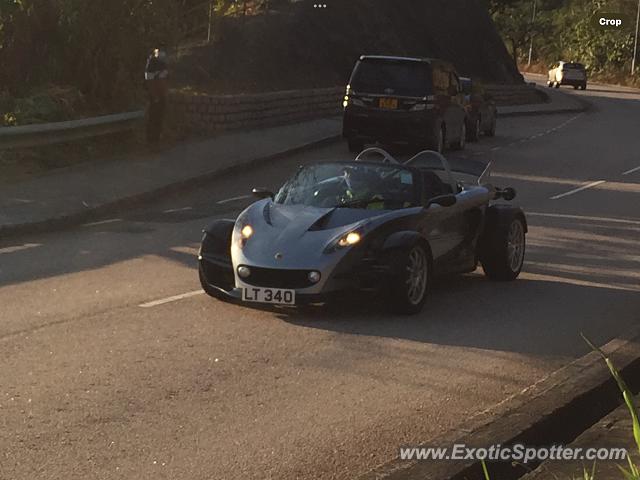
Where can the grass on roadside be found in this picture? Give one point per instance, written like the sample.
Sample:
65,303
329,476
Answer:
633,471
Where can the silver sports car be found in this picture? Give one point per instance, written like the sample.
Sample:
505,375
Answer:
375,225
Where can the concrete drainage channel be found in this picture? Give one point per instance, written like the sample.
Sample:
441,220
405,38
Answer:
553,411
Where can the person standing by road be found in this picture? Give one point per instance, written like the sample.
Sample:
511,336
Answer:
156,75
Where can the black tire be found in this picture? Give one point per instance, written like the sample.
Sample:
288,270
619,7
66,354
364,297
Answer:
460,144
503,244
355,145
491,131
208,289
583,86
575,87
410,287
473,132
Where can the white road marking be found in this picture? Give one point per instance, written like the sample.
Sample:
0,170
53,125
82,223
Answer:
584,218
103,222
19,248
579,189
234,199
175,210
174,298
629,172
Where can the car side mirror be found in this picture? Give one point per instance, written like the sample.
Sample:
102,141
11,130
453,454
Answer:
262,193
443,200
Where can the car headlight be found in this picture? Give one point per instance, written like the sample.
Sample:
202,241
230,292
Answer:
352,101
246,232
350,239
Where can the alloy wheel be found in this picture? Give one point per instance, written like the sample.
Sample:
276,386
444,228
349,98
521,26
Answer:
418,272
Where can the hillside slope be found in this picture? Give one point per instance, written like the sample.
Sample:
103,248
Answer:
301,46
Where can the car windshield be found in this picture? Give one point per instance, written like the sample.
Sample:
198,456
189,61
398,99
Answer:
351,185
573,66
408,78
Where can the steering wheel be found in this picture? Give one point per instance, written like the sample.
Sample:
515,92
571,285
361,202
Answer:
331,191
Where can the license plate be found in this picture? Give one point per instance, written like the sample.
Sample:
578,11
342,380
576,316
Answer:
276,296
389,103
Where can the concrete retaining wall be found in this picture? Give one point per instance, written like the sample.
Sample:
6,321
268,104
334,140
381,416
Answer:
209,114
508,95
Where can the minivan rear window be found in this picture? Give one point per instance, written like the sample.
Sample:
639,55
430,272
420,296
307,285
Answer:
406,78
573,66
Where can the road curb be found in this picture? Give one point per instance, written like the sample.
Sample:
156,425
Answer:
553,411
95,212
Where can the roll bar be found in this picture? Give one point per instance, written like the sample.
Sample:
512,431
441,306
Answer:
386,156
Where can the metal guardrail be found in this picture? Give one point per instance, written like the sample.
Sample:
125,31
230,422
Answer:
61,132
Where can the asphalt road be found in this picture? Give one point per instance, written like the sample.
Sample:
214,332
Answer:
105,373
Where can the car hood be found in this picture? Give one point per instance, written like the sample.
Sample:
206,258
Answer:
299,235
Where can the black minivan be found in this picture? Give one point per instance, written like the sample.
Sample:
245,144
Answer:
402,100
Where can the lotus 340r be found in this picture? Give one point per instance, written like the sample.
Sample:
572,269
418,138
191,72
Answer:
373,225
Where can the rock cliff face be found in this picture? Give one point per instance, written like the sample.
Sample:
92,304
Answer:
298,46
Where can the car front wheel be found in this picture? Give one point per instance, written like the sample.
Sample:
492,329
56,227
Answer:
411,284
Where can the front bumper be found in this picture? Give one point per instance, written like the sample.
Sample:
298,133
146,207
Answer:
353,274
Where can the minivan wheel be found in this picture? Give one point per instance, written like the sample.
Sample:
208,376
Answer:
583,86
473,134
460,143
437,140
491,131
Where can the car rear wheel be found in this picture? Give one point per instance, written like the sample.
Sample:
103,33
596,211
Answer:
583,86
503,249
411,284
